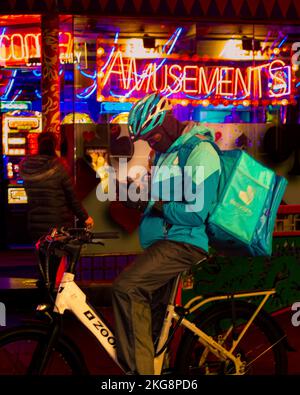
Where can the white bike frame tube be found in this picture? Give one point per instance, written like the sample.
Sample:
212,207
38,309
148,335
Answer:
70,297
158,361
209,342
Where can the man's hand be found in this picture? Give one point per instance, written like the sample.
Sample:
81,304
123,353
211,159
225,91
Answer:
89,222
139,205
157,208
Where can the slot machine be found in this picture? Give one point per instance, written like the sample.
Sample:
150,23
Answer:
87,148
20,130
83,145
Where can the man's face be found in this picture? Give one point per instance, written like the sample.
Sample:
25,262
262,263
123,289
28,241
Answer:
162,137
153,140
158,139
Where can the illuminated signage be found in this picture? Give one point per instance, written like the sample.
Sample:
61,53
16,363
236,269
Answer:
17,141
20,48
114,107
16,128
23,123
128,78
15,105
278,81
17,196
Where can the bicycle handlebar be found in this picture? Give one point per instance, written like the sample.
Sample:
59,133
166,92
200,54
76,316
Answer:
81,235
69,241
105,235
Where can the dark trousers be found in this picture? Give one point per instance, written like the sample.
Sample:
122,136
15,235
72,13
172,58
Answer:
140,296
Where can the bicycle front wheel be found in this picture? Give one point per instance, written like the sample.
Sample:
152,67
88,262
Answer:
261,349
17,348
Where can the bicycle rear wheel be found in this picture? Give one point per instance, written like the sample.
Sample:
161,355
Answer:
262,349
17,348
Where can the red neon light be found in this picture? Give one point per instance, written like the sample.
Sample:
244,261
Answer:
190,81
20,47
240,82
139,84
277,74
226,81
214,81
177,77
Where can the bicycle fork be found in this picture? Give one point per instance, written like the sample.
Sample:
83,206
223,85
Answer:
44,349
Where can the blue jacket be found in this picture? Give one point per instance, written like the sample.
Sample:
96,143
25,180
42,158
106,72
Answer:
184,214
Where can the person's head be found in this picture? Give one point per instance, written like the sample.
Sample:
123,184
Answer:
47,144
151,119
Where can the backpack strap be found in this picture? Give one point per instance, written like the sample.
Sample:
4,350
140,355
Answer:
188,147
190,144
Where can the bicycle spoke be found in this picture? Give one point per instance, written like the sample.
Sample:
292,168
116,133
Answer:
265,351
16,356
259,351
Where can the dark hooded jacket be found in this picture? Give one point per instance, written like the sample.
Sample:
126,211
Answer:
51,196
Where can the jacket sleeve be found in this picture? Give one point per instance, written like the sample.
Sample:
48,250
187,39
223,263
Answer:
72,200
200,184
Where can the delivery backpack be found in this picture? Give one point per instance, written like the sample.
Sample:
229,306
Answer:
243,219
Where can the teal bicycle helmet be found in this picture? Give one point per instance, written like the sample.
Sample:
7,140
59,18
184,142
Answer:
146,114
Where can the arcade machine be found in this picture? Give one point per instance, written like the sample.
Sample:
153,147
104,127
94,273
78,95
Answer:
88,147
84,145
20,130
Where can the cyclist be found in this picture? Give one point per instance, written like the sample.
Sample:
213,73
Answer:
172,231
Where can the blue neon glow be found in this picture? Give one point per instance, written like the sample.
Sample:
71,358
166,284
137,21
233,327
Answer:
111,52
282,41
86,93
278,46
176,34
17,95
38,95
85,74
92,88
276,40
108,60
117,107
2,34
9,85
37,73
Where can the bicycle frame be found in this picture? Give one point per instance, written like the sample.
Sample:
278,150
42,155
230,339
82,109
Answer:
213,346
71,297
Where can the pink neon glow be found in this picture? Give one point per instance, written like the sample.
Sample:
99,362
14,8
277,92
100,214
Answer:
273,78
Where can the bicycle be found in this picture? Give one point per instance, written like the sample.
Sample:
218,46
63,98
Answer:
230,336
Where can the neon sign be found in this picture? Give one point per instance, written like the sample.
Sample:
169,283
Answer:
16,105
129,78
277,81
21,48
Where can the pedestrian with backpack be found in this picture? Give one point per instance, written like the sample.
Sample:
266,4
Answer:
52,201
172,231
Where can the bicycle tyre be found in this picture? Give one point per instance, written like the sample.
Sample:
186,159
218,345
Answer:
10,342
188,358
